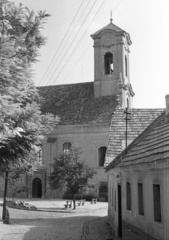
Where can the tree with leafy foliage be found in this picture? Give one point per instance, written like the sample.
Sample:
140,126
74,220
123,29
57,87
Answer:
16,185
71,173
22,125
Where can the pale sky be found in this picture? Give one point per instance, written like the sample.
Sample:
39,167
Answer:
145,20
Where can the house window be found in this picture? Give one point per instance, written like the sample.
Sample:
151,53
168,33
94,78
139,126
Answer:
140,199
157,202
126,65
112,197
66,147
103,191
109,192
108,63
115,201
128,196
101,156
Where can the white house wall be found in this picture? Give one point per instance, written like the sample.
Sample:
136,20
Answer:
113,181
147,177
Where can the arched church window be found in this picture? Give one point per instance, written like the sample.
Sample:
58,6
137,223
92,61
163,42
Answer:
66,147
126,65
108,63
101,156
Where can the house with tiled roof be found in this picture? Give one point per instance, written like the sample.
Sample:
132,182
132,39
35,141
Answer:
139,180
138,120
86,111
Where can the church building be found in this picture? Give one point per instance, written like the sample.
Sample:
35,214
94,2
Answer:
87,111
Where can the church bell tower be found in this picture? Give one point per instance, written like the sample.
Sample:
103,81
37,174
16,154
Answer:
111,64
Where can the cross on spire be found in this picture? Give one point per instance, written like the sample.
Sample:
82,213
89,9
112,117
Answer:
111,19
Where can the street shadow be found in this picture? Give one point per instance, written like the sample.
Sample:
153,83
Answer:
64,228
41,225
28,221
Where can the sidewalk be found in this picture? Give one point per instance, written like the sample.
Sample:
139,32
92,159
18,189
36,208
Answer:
130,232
97,229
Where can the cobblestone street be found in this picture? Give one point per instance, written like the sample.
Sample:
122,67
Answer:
54,222
86,222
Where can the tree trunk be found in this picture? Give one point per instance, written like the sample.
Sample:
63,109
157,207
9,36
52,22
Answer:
5,195
74,202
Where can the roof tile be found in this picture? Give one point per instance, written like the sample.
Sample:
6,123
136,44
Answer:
150,146
76,104
140,120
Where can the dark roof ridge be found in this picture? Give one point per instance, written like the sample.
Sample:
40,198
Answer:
119,157
145,108
66,84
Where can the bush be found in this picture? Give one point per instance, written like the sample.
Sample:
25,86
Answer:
20,205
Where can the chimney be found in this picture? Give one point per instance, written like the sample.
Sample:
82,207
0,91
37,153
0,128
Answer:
167,103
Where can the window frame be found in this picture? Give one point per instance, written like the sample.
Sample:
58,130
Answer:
66,150
128,196
99,156
157,202
103,185
115,200
108,61
112,194
140,190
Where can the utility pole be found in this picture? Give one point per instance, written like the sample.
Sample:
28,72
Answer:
127,118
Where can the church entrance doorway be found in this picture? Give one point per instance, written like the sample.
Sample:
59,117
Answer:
37,188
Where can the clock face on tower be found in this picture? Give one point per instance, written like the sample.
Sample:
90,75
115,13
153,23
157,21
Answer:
107,41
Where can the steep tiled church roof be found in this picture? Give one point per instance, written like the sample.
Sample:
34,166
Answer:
140,120
76,104
150,146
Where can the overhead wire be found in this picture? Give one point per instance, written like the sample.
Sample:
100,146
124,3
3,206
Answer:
82,37
51,63
71,43
78,41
